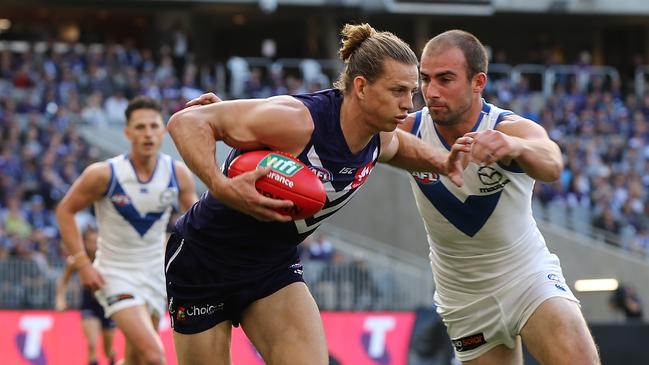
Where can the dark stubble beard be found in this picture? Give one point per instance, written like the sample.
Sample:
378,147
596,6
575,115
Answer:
453,116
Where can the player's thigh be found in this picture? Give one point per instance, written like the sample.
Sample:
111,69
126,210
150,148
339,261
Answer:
137,326
557,334
211,346
286,328
91,329
500,355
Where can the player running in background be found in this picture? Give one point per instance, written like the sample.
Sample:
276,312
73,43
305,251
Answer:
93,321
133,195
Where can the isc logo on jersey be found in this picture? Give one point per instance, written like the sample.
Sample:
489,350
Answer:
425,177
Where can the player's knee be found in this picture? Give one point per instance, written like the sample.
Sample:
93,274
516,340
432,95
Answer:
582,351
588,354
153,357
152,354
92,347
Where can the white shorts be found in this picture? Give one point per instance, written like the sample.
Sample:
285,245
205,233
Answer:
128,287
498,318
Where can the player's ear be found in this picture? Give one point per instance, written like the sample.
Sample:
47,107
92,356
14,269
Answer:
127,132
360,83
479,82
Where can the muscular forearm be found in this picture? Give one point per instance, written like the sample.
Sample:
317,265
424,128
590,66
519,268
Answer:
541,159
71,237
415,155
196,143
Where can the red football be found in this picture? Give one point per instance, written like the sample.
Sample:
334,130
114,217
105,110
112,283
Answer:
289,179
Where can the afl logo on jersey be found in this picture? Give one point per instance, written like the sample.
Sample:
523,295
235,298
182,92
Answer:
425,177
168,197
120,199
361,175
323,174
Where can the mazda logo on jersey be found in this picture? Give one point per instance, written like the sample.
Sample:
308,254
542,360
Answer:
493,178
425,177
489,176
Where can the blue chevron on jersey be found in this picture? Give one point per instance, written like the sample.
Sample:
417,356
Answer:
468,216
124,206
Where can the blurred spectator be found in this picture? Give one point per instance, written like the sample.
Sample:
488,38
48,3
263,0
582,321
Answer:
14,219
93,113
345,285
364,288
318,248
429,343
640,243
115,106
625,299
333,287
609,225
254,86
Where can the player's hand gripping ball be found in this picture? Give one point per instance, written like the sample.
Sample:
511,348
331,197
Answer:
289,179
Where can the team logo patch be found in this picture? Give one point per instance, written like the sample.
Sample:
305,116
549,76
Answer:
297,268
118,298
180,314
362,175
469,342
489,176
120,199
425,177
323,174
492,178
554,277
280,164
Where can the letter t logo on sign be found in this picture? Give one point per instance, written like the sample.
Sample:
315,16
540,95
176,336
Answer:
378,328
34,326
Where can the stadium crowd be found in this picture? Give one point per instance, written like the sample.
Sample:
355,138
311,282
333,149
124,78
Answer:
45,96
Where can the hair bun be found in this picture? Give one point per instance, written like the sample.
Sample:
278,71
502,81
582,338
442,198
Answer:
353,37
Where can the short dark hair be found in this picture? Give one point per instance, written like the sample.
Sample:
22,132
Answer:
141,102
474,52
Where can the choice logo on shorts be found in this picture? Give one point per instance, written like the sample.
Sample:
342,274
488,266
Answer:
184,313
469,342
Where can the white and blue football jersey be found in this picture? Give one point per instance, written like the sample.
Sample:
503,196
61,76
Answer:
132,217
483,234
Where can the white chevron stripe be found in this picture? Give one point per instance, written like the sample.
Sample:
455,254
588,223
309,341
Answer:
332,194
